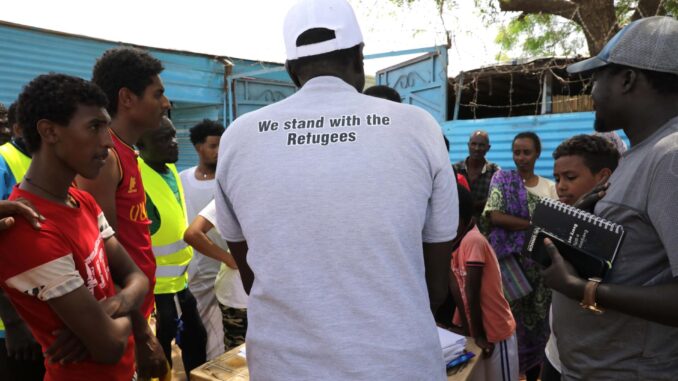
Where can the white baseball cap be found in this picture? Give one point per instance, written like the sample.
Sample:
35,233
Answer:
335,15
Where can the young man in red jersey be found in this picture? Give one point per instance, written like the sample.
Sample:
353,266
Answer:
66,275
130,79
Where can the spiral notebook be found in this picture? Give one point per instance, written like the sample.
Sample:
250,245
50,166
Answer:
590,243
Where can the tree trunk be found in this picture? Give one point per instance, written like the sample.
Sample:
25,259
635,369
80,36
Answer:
596,17
598,20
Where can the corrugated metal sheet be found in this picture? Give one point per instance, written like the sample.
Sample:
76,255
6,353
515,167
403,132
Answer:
421,81
26,53
194,82
242,66
552,130
253,93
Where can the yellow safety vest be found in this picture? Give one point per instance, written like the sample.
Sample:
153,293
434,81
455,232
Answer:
17,161
172,254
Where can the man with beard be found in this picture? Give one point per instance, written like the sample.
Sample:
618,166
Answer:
625,326
198,183
477,170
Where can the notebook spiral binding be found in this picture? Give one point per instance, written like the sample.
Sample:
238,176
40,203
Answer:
582,215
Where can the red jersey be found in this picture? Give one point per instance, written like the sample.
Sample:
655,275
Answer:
133,222
67,253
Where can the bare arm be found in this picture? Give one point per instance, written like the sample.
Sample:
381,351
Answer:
134,285
21,207
126,274
239,252
474,277
473,285
653,303
458,305
103,187
196,236
151,359
507,221
104,337
437,258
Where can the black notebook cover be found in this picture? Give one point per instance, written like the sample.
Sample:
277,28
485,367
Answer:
588,242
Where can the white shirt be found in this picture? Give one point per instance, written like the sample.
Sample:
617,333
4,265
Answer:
202,270
544,188
228,285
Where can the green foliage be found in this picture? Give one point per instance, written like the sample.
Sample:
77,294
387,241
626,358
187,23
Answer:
540,34
671,7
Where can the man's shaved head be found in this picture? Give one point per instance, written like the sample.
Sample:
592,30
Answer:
478,145
480,133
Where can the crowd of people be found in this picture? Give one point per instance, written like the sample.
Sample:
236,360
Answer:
332,261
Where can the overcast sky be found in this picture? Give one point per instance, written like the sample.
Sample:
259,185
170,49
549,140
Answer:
252,29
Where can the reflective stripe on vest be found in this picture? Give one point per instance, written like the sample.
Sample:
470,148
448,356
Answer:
170,271
172,248
172,255
17,161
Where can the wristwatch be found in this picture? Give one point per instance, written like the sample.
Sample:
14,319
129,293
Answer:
589,300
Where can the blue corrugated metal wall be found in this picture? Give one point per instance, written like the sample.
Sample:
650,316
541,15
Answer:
26,53
269,84
194,83
242,66
421,81
552,130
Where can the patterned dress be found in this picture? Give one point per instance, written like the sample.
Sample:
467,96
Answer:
508,195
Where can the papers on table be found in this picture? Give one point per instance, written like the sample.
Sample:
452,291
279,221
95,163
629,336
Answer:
453,345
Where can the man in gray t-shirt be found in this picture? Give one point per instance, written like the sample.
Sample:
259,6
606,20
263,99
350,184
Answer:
344,207
625,327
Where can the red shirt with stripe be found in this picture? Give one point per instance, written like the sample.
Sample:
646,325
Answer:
65,254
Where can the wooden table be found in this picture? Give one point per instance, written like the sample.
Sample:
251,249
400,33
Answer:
232,367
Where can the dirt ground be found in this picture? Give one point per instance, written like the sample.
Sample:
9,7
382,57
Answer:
178,373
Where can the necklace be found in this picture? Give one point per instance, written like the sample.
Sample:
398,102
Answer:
202,172
69,199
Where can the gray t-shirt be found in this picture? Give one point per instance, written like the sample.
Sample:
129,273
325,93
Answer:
334,192
616,346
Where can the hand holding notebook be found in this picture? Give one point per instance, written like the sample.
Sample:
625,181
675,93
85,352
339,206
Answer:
588,242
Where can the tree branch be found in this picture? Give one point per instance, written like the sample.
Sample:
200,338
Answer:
647,8
562,8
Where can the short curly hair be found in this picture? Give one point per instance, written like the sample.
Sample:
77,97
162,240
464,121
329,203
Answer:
127,67
202,130
597,152
11,114
53,97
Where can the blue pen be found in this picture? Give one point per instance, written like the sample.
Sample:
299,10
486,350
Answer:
461,359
